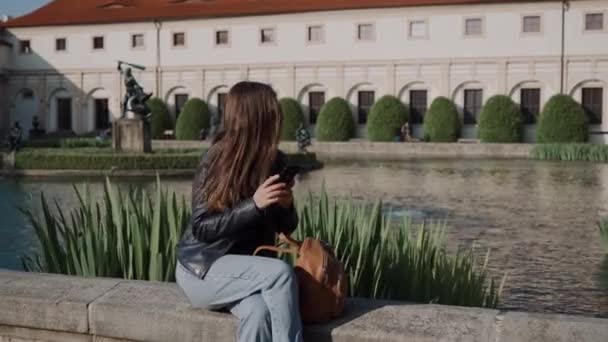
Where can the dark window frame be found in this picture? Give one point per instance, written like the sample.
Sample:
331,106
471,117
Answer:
99,43
179,104
102,120
25,47
368,97
65,119
61,44
219,35
176,41
529,104
316,101
592,102
470,111
418,107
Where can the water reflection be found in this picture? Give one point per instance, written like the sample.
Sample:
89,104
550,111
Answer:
538,218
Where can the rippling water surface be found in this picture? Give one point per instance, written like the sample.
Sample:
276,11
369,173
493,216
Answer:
538,218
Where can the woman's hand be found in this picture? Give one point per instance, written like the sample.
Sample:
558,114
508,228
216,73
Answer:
270,193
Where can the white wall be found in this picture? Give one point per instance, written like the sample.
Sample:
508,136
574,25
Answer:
500,62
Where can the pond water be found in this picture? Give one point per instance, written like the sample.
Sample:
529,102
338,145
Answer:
538,218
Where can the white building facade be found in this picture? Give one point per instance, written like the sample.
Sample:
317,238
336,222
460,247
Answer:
66,74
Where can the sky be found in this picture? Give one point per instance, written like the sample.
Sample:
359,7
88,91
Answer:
19,7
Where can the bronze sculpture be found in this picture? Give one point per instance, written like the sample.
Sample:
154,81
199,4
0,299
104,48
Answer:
135,99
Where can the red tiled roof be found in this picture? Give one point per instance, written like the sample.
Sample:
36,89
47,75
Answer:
73,12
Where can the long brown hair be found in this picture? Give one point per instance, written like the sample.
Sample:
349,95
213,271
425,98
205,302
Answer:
242,155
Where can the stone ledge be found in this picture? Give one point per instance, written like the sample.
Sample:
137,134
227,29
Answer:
384,150
42,307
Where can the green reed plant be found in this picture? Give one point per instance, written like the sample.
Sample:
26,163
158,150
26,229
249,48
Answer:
127,235
397,261
134,235
571,152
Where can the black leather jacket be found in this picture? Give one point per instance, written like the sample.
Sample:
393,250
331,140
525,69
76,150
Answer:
237,230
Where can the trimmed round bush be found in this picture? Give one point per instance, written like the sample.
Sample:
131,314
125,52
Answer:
563,120
385,119
335,121
159,118
292,118
441,121
500,121
194,117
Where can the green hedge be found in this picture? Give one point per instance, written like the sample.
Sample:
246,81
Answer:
500,121
385,119
105,159
84,142
194,117
583,152
563,120
292,118
335,121
441,122
160,120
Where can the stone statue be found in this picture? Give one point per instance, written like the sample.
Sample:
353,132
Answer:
405,133
36,131
13,140
135,100
303,138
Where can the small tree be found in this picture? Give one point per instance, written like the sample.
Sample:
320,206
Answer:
563,120
500,121
292,118
441,122
335,121
385,119
159,119
194,117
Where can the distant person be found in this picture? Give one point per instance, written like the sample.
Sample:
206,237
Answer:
238,205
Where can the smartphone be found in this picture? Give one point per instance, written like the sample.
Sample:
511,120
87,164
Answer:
288,173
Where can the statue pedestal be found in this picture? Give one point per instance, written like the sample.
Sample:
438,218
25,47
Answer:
131,135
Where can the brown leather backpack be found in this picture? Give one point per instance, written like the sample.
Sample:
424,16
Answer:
322,281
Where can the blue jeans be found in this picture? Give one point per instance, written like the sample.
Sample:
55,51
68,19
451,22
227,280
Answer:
261,292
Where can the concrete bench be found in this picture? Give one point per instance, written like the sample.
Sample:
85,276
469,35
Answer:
42,307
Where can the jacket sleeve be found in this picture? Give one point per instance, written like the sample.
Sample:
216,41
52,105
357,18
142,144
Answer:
210,227
287,220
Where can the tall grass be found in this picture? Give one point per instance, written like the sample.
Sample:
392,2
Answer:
571,152
397,261
126,235
134,235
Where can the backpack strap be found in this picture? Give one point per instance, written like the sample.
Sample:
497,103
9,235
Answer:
276,249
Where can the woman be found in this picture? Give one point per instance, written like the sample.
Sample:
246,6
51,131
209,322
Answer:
238,205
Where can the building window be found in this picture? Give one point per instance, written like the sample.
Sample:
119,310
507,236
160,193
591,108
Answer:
25,47
315,34
531,24
137,41
267,36
180,102
179,39
592,104
418,106
222,38
473,27
64,114
472,105
316,100
366,101
529,104
221,105
98,43
594,21
366,32
102,114
418,29
61,44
